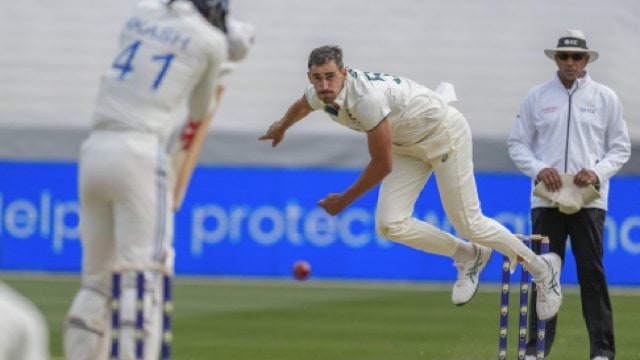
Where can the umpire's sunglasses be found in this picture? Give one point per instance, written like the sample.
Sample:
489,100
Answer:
575,56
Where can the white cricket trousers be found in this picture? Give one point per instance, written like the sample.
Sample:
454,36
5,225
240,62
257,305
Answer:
125,218
447,152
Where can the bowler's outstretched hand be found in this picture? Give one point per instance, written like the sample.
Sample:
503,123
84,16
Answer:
275,133
333,204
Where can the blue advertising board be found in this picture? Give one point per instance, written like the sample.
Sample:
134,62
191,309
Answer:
251,221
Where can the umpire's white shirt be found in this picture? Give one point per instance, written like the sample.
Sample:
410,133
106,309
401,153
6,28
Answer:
570,129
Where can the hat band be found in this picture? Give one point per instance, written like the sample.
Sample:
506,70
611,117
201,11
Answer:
572,42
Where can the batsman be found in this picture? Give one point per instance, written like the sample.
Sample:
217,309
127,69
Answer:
170,57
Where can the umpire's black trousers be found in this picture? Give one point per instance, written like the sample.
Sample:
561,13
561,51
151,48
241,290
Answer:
585,230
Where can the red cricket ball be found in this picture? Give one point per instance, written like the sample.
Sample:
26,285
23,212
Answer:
301,270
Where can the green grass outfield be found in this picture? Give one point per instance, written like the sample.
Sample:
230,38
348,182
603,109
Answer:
238,319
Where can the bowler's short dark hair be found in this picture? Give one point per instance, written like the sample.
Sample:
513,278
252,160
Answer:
324,54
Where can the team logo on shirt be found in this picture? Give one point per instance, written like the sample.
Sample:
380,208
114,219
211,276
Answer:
330,110
444,158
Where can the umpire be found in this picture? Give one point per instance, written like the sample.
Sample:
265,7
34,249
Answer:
573,126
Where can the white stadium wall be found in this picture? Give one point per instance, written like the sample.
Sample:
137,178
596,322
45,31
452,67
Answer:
52,53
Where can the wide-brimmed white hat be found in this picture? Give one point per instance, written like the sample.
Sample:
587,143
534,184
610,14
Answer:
572,41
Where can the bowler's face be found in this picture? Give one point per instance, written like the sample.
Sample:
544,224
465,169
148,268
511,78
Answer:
327,79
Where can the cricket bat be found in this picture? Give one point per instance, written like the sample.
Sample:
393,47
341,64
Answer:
185,161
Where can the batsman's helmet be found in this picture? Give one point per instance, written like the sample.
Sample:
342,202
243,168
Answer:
215,11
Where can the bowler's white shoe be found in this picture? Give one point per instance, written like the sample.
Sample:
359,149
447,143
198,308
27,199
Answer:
600,358
468,276
548,287
530,357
